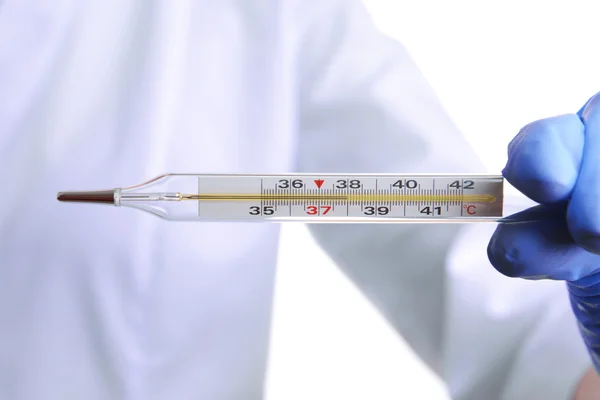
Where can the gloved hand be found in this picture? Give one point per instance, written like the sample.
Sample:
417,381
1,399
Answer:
556,162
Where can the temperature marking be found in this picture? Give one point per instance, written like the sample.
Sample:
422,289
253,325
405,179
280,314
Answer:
314,210
357,197
471,209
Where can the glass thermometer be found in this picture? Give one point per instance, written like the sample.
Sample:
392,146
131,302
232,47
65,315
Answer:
311,197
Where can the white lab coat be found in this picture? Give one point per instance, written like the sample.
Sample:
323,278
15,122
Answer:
100,303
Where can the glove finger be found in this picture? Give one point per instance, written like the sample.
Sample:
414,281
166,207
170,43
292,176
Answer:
545,157
540,248
585,297
584,211
585,300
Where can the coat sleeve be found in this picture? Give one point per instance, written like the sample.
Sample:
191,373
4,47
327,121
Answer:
366,108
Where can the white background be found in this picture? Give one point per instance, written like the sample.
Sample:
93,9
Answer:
496,66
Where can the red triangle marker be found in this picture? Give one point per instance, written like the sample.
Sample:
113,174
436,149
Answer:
319,182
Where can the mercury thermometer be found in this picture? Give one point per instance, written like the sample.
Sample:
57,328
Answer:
311,197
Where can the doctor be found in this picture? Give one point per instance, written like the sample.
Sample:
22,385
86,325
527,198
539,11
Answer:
100,305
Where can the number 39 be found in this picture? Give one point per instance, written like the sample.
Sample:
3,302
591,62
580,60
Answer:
370,210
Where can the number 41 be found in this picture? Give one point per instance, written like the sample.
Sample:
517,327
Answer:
428,210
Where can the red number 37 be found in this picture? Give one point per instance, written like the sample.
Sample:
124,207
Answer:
313,210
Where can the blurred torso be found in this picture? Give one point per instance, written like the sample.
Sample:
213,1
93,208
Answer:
105,303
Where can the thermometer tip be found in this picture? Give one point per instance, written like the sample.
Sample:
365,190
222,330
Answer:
101,196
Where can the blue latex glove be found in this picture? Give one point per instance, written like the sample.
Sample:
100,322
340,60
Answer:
556,162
